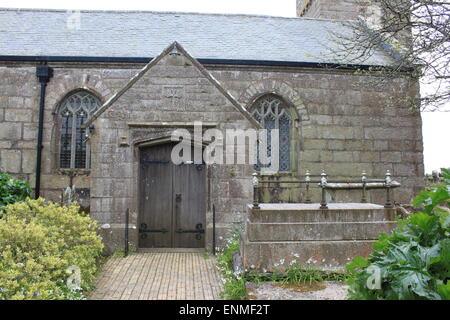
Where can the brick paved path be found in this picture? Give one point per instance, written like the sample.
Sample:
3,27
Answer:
159,276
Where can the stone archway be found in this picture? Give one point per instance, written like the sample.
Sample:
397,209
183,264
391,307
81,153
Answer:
278,87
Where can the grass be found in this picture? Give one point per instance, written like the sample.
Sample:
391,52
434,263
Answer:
120,253
206,256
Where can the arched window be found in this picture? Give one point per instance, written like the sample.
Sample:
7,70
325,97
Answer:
74,111
273,113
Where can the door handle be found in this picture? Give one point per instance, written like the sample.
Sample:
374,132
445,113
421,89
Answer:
178,197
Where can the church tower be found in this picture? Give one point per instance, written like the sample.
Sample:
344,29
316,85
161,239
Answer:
331,9
370,11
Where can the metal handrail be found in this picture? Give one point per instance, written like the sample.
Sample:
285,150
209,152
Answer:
318,181
325,184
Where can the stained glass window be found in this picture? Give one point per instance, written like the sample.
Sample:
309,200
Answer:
272,113
74,111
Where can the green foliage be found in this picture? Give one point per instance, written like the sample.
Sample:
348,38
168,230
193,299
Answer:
39,240
234,289
12,190
120,253
232,245
414,262
297,273
234,282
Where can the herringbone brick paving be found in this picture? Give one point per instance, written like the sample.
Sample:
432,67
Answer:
159,276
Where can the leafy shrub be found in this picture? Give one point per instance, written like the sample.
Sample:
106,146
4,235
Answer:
414,262
39,240
12,190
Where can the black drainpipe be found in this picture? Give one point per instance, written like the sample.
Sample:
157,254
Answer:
44,73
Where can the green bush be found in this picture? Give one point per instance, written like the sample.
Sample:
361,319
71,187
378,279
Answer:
12,190
414,262
39,240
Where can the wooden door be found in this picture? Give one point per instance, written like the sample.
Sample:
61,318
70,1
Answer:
155,223
173,209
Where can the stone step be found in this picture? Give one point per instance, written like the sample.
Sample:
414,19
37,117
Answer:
303,213
277,256
318,231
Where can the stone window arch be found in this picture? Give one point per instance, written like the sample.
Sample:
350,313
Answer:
74,111
272,112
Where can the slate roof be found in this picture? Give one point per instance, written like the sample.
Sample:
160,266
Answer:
42,32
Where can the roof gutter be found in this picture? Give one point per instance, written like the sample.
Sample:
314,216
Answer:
238,62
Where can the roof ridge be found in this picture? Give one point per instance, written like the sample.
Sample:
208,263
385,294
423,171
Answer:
165,12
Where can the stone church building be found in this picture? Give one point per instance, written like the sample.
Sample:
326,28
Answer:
91,99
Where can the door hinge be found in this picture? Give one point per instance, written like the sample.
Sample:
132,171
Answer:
143,229
198,231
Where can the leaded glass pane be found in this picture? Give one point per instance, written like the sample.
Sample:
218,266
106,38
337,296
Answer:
75,111
80,143
285,143
66,138
272,113
270,123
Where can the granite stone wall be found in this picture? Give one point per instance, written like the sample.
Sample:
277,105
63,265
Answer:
346,124
19,96
19,112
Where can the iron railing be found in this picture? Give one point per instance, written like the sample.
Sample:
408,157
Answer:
127,225
214,230
324,184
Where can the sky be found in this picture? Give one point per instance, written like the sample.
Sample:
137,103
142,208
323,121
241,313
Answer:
436,125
